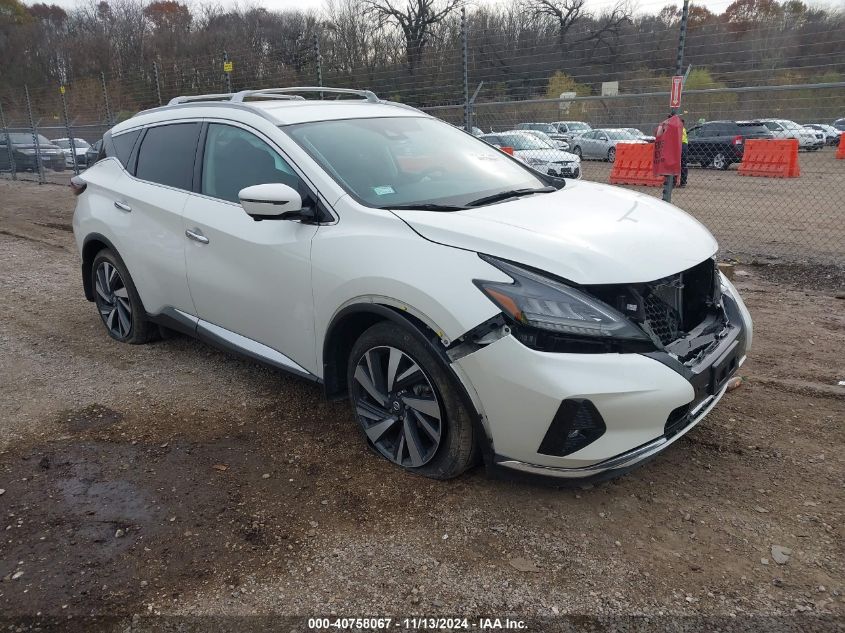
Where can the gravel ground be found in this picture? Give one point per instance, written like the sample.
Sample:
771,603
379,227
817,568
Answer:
172,478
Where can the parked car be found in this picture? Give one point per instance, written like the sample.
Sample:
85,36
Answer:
562,145
783,128
468,307
80,148
92,154
601,143
636,133
537,153
831,134
571,129
720,144
548,129
26,153
839,124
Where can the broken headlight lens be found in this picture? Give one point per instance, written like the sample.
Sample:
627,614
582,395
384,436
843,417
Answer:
538,301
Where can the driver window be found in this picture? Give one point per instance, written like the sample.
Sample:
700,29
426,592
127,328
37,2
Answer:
234,159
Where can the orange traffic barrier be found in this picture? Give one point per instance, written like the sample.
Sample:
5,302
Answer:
840,152
633,165
771,159
507,150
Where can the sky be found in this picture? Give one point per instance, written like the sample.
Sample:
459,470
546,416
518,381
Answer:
641,6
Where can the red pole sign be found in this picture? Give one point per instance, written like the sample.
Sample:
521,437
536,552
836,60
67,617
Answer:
675,97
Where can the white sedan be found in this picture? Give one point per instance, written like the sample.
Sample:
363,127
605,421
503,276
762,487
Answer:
80,145
537,153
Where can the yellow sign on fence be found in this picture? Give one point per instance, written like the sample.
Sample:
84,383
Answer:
228,66
62,89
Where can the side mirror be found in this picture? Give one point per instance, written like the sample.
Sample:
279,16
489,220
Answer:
272,201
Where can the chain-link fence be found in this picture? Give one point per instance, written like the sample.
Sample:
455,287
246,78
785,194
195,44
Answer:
562,106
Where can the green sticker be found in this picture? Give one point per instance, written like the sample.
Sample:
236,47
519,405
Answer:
383,191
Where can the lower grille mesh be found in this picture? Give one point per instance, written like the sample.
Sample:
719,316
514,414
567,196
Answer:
662,318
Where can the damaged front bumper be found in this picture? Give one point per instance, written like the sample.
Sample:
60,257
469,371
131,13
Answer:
646,401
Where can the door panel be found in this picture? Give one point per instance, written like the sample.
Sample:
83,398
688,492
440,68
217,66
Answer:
154,243
253,278
250,277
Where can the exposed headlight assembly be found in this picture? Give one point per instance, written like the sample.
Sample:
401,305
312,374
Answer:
537,301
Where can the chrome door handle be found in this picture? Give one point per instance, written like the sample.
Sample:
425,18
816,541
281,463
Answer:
196,235
122,206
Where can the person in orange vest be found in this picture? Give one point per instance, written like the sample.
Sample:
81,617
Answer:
684,145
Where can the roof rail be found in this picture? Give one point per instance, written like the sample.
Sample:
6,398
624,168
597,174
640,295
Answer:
209,97
272,92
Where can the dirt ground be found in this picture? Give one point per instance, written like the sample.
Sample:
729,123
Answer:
174,479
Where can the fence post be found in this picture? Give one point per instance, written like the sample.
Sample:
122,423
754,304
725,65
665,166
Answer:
669,181
465,64
319,58
106,99
69,131
35,142
227,71
12,169
158,84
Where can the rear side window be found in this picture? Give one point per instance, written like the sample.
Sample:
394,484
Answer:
167,155
122,145
752,127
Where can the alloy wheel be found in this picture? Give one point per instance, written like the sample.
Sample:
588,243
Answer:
719,161
113,300
397,406
611,155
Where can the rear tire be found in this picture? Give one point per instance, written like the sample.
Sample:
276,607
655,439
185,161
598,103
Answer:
720,161
118,302
408,405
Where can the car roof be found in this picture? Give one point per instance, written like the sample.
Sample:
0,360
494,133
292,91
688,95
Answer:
279,111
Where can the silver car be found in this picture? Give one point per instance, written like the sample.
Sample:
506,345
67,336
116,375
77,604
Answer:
601,143
562,145
537,153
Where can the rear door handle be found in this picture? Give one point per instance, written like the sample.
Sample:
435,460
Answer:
122,206
196,235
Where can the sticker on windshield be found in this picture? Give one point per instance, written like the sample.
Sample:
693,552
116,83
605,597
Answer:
384,190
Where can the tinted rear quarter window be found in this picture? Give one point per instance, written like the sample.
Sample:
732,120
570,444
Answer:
167,155
122,145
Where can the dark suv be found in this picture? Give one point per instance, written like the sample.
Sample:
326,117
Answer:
719,144
25,154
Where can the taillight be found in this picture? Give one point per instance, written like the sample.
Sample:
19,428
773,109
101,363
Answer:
738,140
77,185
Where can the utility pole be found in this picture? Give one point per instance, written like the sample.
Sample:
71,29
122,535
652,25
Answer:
669,181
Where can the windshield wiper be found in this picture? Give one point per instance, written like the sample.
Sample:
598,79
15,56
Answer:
426,206
504,195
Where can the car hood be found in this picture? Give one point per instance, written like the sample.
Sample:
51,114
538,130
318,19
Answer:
587,233
41,146
548,155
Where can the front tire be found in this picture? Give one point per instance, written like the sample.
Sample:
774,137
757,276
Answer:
407,404
118,302
611,155
577,152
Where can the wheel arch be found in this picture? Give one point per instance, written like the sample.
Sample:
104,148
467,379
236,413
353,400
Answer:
93,244
345,328
351,321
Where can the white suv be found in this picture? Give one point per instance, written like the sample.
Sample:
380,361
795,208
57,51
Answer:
469,306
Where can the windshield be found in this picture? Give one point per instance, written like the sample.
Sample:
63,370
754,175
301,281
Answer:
24,138
522,142
547,128
65,143
579,127
540,135
633,131
619,135
404,161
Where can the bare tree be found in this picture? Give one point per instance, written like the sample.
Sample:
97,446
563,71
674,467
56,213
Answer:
416,20
567,14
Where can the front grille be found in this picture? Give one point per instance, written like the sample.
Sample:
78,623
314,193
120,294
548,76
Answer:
663,319
669,308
